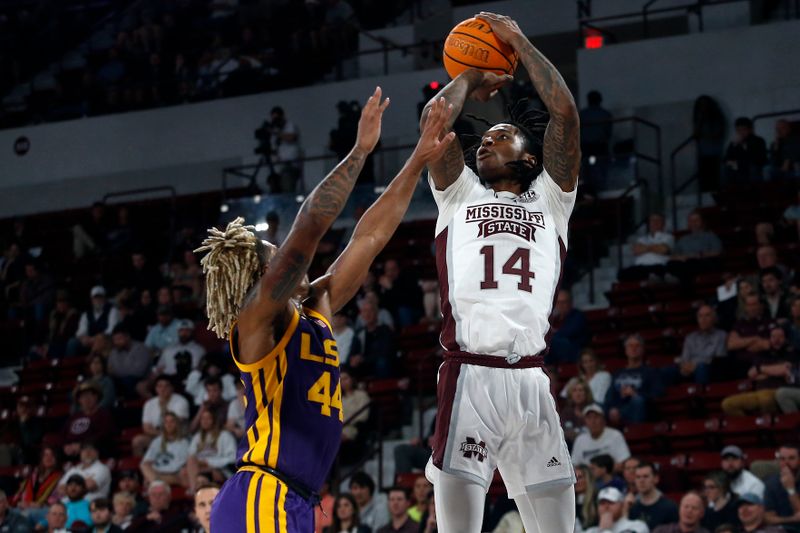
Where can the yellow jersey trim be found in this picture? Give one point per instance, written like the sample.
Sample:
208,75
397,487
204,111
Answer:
250,367
317,314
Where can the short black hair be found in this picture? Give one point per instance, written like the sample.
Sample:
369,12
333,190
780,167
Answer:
743,122
773,270
100,503
647,464
604,461
277,109
164,377
213,380
398,488
120,328
362,479
594,98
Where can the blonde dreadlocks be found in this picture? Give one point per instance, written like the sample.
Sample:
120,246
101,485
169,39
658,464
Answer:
231,266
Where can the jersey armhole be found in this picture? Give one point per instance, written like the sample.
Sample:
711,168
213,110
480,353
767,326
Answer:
250,367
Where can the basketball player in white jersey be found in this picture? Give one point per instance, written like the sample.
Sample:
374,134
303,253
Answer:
501,239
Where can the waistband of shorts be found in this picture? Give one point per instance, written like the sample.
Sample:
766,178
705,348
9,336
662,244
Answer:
494,361
301,490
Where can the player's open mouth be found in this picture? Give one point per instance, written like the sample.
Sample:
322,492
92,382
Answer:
484,153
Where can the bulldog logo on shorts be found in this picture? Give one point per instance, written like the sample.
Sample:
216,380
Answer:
474,449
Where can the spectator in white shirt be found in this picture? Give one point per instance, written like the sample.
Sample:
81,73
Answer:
92,470
211,368
590,371
97,322
212,452
742,480
167,454
609,508
599,439
651,251
165,401
186,343
235,422
344,335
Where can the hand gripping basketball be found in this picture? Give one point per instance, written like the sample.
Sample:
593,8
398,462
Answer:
369,126
505,28
430,147
490,85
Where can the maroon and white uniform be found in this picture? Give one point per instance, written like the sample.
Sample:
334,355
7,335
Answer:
499,258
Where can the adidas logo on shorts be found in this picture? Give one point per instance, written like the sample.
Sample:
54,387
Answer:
553,462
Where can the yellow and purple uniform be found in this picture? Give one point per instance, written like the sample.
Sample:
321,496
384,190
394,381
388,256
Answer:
293,416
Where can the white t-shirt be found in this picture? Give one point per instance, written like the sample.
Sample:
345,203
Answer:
223,454
170,460
623,525
344,341
236,412
151,413
503,255
610,441
197,389
99,472
652,258
599,385
167,359
748,482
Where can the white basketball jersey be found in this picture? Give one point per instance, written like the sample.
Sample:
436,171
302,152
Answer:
499,257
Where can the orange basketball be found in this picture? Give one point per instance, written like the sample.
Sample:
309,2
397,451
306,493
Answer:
473,44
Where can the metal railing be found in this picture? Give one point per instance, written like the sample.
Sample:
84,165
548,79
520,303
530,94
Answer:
637,184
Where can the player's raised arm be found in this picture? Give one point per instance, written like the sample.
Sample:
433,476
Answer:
477,84
562,152
379,223
288,268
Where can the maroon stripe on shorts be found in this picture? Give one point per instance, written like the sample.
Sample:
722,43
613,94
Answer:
563,251
446,393
448,336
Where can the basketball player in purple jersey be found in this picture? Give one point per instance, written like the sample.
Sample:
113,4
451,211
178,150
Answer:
501,239
281,337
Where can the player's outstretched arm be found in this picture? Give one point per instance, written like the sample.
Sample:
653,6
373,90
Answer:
470,83
562,149
288,268
380,221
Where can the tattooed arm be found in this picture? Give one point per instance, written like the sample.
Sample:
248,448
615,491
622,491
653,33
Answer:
562,152
470,83
287,269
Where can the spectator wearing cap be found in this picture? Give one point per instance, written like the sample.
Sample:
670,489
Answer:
690,514
75,502
650,505
781,498
165,401
610,510
721,501
602,468
775,300
90,423
752,515
599,439
101,517
11,520
741,479
165,332
94,472
186,344
701,348
99,320
746,154
162,513
633,386
128,362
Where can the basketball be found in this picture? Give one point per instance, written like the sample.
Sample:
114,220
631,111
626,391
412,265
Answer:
473,44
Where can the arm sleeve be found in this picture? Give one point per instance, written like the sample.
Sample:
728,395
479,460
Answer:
194,444
226,451
152,450
620,452
577,452
148,414
181,407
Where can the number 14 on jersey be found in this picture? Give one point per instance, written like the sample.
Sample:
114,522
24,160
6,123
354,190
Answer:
519,264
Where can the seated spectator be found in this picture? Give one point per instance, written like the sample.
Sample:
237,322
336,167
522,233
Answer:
21,435
212,452
141,275
767,257
570,330
161,515
378,352
734,308
56,518
10,519
633,386
423,490
165,332
37,489
37,294
750,335
579,396
101,517
165,400
746,154
650,505
690,515
399,522
99,320
385,318
213,402
123,503
90,423
97,373
346,517
775,300
75,502
752,516
344,336
701,348
598,439
401,294
610,512
721,507
203,499
211,367
353,401
63,326
771,370
130,481
741,480
602,467
591,371
167,454
186,344
651,251
695,253
92,470
585,497
781,500
128,362
372,507
235,422
784,152
629,467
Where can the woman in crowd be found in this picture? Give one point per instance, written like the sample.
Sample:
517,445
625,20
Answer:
345,517
579,395
590,371
123,504
721,501
167,454
35,493
422,492
585,497
97,373
212,452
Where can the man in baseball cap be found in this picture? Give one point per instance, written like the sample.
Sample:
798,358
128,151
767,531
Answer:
751,513
609,508
742,480
598,439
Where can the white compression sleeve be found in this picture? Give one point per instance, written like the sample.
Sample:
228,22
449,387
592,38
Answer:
459,504
548,511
